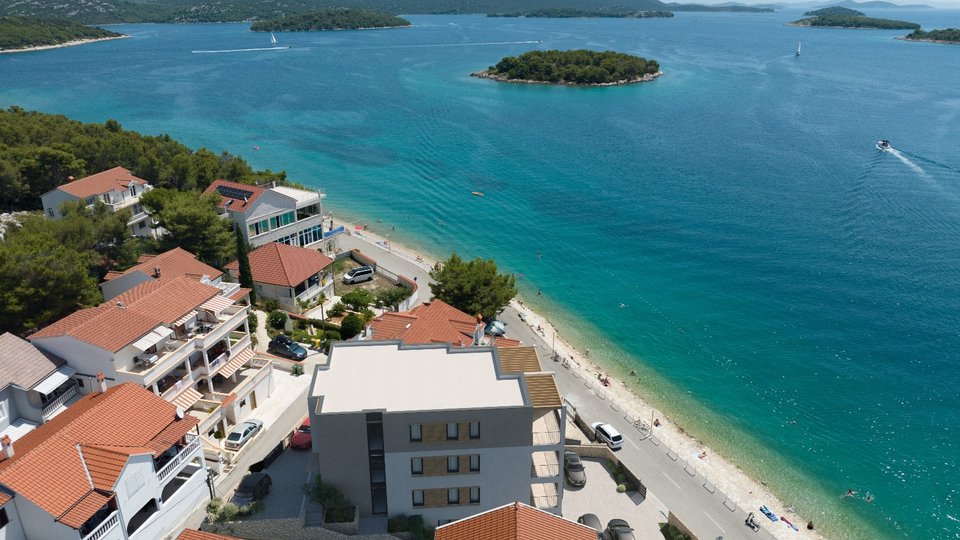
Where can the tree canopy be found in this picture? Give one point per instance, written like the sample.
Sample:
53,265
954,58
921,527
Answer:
835,10
330,19
243,260
25,32
191,222
573,67
852,21
566,13
947,35
472,287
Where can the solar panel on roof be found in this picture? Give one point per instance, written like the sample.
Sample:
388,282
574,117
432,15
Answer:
234,193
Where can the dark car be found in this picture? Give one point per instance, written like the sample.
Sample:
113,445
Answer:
253,487
593,522
287,348
572,465
301,438
619,529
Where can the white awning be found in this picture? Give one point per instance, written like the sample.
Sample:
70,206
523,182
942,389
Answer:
217,304
55,379
187,398
185,318
157,335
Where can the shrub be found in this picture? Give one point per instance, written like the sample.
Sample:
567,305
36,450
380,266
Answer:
253,322
269,304
301,324
300,336
367,315
337,507
337,309
392,297
332,334
357,299
213,507
296,370
352,325
277,319
227,512
621,488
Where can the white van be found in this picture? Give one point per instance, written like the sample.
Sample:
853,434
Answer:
608,434
359,274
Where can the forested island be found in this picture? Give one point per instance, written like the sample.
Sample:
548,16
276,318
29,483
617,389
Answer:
571,13
29,32
947,35
577,67
330,19
841,17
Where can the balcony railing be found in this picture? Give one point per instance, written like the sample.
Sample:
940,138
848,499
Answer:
50,409
178,387
546,429
108,524
182,457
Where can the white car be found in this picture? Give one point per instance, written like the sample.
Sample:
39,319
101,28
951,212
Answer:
242,433
607,434
359,275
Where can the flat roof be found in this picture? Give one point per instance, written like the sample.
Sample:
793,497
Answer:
299,195
377,375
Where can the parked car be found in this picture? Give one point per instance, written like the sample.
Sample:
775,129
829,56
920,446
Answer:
287,348
608,434
253,487
301,437
572,465
593,522
359,274
495,328
619,529
242,433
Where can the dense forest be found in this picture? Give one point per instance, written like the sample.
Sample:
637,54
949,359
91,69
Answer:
330,19
25,32
569,13
40,151
580,67
847,21
834,11
732,9
947,35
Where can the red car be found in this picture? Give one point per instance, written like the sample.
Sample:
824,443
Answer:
301,437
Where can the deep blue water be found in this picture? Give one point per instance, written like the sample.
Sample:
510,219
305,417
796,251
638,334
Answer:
772,263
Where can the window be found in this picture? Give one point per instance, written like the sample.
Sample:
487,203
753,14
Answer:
453,464
474,430
453,496
133,190
4,519
416,465
453,431
474,495
475,463
418,497
3,410
50,211
416,433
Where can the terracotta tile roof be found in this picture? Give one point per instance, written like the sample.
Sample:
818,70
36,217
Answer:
543,390
504,342
433,322
519,360
145,307
241,293
22,364
235,196
115,179
190,534
173,263
283,265
47,467
5,498
515,521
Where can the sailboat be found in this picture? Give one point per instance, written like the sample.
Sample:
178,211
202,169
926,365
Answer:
273,41
798,48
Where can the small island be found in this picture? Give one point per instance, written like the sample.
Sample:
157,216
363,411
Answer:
947,35
331,19
841,17
571,13
576,68
20,34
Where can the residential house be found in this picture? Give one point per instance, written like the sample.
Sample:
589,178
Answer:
121,463
433,322
190,534
277,214
515,521
181,338
34,386
288,274
438,430
118,188
169,264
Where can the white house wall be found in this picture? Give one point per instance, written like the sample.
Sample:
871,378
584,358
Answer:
87,359
193,494
10,411
52,200
13,529
270,203
38,524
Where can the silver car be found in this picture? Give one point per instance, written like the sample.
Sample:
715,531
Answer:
242,433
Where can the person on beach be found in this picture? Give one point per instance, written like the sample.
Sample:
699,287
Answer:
656,422
809,525
703,455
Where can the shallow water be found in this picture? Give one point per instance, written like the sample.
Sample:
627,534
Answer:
772,264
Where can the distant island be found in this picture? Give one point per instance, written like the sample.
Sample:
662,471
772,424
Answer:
878,4
947,35
841,17
571,13
732,8
31,33
330,19
576,68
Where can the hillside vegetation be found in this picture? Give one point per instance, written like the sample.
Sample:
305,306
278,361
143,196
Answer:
570,13
835,11
330,19
848,21
580,67
25,32
947,35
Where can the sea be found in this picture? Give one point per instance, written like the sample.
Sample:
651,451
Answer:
783,290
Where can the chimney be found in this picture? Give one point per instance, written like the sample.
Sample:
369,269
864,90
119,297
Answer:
7,443
156,272
101,382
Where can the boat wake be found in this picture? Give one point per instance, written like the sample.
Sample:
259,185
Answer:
906,161
241,50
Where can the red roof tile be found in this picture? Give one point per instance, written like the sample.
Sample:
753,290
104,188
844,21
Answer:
51,463
236,197
190,534
433,322
283,265
144,307
5,498
173,263
115,179
515,521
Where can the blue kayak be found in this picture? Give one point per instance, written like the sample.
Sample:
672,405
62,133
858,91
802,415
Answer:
766,511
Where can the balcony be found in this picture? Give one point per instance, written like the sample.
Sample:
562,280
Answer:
59,403
546,428
183,457
544,496
247,377
108,524
544,465
174,389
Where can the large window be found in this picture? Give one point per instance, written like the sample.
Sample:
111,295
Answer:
416,465
475,495
453,496
310,235
475,463
418,497
453,431
416,433
453,464
272,223
474,430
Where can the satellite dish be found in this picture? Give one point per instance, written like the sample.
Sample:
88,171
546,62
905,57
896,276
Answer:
180,412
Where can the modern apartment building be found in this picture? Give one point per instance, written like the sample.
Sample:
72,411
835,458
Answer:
118,188
437,430
277,214
121,463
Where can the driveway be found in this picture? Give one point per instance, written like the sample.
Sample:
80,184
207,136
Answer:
599,497
288,474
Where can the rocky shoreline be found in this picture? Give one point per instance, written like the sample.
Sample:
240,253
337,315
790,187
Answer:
487,74
940,41
61,45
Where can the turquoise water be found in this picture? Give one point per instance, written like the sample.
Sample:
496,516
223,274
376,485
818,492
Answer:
772,264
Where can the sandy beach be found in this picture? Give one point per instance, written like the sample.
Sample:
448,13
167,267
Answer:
60,45
750,493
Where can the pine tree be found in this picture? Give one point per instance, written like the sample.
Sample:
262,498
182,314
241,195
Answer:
243,259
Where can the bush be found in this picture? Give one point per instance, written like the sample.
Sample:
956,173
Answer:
301,336
301,324
253,322
367,315
269,304
357,299
351,326
412,524
277,319
332,334
621,488
337,507
392,297
296,370
227,512
324,325
337,309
